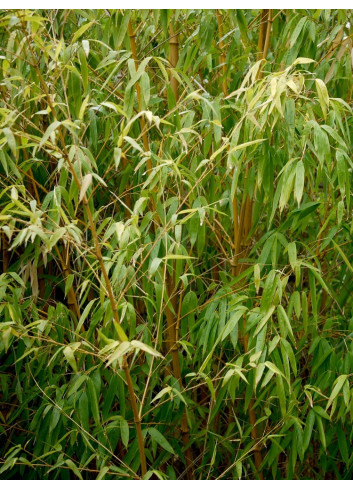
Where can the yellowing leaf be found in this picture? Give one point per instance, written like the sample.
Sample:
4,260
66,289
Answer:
323,95
86,182
123,348
83,108
85,45
303,61
70,357
146,348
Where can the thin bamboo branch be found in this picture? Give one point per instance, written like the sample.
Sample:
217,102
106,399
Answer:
242,231
5,253
144,131
127,196
222,55
173,58
71,296
268,34
173,308
138,92
172,342
262,33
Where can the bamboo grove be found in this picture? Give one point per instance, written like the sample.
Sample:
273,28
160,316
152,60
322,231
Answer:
176,221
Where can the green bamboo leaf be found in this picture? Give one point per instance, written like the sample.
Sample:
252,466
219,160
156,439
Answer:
83,54
287,186
291,356
92,396
11,141
76,385
83,410
117,157
321,412
281,395
268,291
338,384
346,393
160,394
231,324
308,429
154,265
85,314
160,439
237,371
51,130
275,369
74,468
135,78
133,143
123,28
244,145
54,418
264,320
299,181
320,427
243,26
124,427
102,473
81,31
68,283
342,444
296,32
292,254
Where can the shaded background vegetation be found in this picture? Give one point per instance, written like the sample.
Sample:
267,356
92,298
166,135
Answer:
176,287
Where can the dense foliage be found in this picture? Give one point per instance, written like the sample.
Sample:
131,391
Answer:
176,287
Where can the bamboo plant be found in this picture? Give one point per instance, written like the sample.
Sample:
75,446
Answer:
176,286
